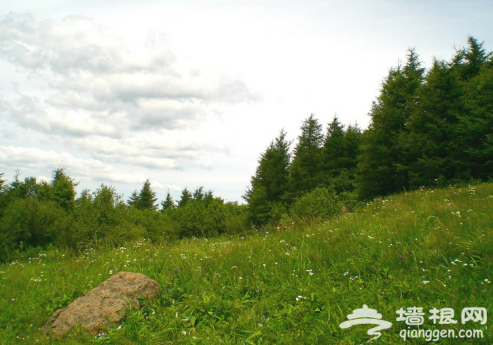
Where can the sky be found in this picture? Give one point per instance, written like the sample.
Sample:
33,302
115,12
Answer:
189,93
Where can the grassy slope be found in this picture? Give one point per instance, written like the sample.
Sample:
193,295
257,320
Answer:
430,248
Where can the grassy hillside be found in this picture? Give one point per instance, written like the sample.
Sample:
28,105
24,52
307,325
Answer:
291,285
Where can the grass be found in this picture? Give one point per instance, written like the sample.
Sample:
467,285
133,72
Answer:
291,285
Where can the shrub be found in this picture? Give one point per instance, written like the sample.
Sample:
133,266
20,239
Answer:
319,203
29,223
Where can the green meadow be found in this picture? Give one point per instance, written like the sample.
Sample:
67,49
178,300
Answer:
294,283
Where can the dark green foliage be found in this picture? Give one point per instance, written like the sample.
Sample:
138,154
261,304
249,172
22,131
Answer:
22,189
29,223
469,61
103,206
432,129
475,126
63,190
319,203
237,220
198,219
333,151
145,199
432,146
60,190
352,140
168,203
208,197
36,215
426,129
3,194
198,194
134,199
306,167
340,155
271,181
382,166
186,196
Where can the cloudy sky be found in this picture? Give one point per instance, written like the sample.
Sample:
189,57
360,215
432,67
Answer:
188,93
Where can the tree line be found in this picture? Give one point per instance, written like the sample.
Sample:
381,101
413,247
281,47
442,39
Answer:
35,215
427,128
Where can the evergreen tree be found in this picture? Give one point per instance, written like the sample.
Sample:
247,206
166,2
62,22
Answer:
333,151
134,199
21,189
209,197
2,181
352,139
433,145
3,194
270,183
306,166
382,166
198,194
147,197
186,196
476,123
63,189
467,62
168,203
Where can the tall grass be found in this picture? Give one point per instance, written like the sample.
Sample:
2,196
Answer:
293,284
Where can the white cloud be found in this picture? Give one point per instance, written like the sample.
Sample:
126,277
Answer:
93,83
25,158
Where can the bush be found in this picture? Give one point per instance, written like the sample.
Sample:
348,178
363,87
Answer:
201,219
158,226
319,203
29,223
122,233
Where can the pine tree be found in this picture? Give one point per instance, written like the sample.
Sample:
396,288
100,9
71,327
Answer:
208,198
3,194
2,181
352,139
198,194
475,124
186,196
306,166
467,62
168,203
433,144
333,151
63,189
382,164
147,197
134,199
270,183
